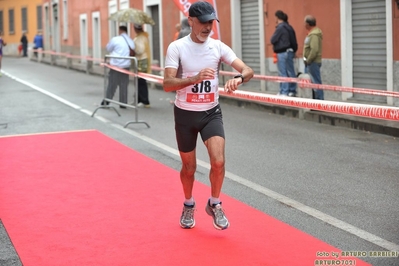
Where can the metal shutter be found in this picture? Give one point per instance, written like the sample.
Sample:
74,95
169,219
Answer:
250,39
369,47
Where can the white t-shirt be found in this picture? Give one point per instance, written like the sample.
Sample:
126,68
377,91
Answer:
189,58
119,46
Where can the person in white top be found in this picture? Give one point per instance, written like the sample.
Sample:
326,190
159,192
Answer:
191,69
118,46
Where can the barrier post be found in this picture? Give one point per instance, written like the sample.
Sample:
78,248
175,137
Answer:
52,59
89,66
304,92
69,61
135,90
39,55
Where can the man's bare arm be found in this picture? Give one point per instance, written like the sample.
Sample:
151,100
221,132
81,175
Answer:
245,70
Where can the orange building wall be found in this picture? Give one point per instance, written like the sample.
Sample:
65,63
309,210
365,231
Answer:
327,17
31,5
77,8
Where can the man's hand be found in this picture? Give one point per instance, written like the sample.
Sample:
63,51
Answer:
205,74
232,85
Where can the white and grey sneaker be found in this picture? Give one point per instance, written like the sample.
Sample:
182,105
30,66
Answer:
187,217
220,221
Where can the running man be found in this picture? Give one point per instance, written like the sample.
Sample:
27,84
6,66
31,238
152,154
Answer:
191,69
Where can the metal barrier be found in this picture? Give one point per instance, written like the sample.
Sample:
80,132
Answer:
133,74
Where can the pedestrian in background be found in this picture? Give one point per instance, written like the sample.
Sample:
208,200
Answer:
185,28
178,28
290,63
285,45
191,69
2,44
312,52
38,42
24,42
143,55
119,46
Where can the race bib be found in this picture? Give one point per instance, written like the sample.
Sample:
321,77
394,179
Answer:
203,92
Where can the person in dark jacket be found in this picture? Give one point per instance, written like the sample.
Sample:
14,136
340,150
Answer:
285,45
24,42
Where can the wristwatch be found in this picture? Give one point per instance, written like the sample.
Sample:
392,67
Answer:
240,76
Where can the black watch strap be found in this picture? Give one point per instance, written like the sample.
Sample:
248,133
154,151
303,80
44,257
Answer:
240,76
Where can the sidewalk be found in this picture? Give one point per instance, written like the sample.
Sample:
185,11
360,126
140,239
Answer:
386,127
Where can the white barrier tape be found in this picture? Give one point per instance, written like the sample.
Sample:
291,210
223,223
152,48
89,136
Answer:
363,110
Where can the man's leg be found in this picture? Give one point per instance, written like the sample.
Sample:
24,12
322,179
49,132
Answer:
112,84
123,84
215,146
314,71
187,172
282,71
143,91
189,166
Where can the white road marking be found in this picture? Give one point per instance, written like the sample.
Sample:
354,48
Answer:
265,191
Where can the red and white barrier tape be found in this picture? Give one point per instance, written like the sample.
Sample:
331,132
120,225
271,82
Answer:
303,83
306,84
363,110
147,76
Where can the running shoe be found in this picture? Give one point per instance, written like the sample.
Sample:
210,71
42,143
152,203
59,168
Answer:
220,221
187,217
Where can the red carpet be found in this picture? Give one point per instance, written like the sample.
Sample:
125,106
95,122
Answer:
82,198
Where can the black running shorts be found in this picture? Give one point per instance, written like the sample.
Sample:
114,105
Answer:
189,123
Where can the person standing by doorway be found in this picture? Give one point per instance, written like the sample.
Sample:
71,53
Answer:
285,46
38,42
2,44
143,55
24,42
178,28
185,28
312,51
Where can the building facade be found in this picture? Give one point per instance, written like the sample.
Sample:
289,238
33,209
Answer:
360,37
16,17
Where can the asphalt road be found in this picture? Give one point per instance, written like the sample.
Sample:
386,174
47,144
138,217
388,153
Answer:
337,184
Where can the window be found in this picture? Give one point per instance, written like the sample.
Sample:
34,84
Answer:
39,17
1,21
11,21
24,16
